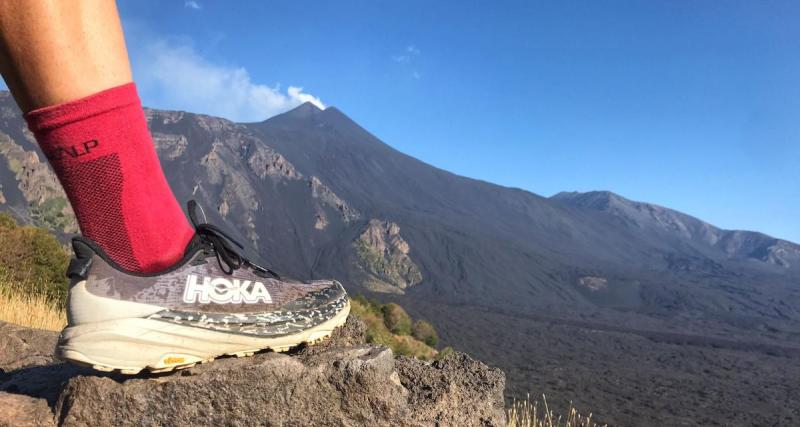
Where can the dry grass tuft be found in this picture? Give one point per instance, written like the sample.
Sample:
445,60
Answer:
32,310
528,414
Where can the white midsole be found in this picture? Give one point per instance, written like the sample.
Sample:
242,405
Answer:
137,343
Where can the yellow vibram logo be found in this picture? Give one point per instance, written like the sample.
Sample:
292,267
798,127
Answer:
173,360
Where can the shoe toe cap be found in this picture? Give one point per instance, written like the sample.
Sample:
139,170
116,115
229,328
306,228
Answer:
320,293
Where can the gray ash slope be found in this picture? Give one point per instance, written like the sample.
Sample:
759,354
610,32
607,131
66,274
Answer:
317,194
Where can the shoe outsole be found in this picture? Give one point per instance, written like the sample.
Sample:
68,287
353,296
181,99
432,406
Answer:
311,337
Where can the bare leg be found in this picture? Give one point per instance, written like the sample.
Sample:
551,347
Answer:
66,64
54,51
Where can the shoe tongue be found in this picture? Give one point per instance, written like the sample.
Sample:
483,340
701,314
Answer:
196,244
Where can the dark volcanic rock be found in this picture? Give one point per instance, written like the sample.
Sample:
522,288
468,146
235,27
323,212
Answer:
341,382
453,382
21,347
21,410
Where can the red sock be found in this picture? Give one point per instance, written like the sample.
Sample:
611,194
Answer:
102,152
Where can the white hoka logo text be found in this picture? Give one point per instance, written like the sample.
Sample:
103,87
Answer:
223,291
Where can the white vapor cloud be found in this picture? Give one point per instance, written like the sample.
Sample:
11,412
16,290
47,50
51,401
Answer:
406,60
175,76
405,57
191,4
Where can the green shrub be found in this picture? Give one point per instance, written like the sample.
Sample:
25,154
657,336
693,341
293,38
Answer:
372,314
424,332
6,221
369,305
396,319
402,348
445,352
33,258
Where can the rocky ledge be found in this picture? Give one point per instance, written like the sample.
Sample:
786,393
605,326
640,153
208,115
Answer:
340,382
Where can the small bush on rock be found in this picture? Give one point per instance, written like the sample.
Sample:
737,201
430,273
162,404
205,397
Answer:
375,314
396,319
424,332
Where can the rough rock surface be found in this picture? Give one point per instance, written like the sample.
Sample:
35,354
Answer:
340,382
21,410
383,255
21,347
21,351
39,186
320,192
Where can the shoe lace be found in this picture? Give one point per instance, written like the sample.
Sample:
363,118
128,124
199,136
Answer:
225,248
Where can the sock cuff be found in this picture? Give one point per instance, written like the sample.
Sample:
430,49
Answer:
54,116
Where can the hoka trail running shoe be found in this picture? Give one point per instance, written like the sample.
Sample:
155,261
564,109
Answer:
211,303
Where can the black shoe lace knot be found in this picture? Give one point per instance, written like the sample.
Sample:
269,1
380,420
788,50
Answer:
225,248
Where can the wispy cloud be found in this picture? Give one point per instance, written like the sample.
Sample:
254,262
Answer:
407,59
408,54
191,4
175,76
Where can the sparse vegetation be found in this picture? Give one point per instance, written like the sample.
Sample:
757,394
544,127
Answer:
445,352
20,306
425,332
392,269
33,260
33,287
382,320
527,413
396,319
53,214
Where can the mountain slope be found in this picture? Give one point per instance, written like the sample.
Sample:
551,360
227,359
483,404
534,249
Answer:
528,244
656,219
318,195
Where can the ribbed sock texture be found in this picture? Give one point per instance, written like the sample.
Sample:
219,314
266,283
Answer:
102,152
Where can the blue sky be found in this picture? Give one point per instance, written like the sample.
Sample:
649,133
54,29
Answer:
691,105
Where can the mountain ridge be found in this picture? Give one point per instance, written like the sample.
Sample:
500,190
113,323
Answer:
741,243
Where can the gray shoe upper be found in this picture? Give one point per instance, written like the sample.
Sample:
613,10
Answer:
196,291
